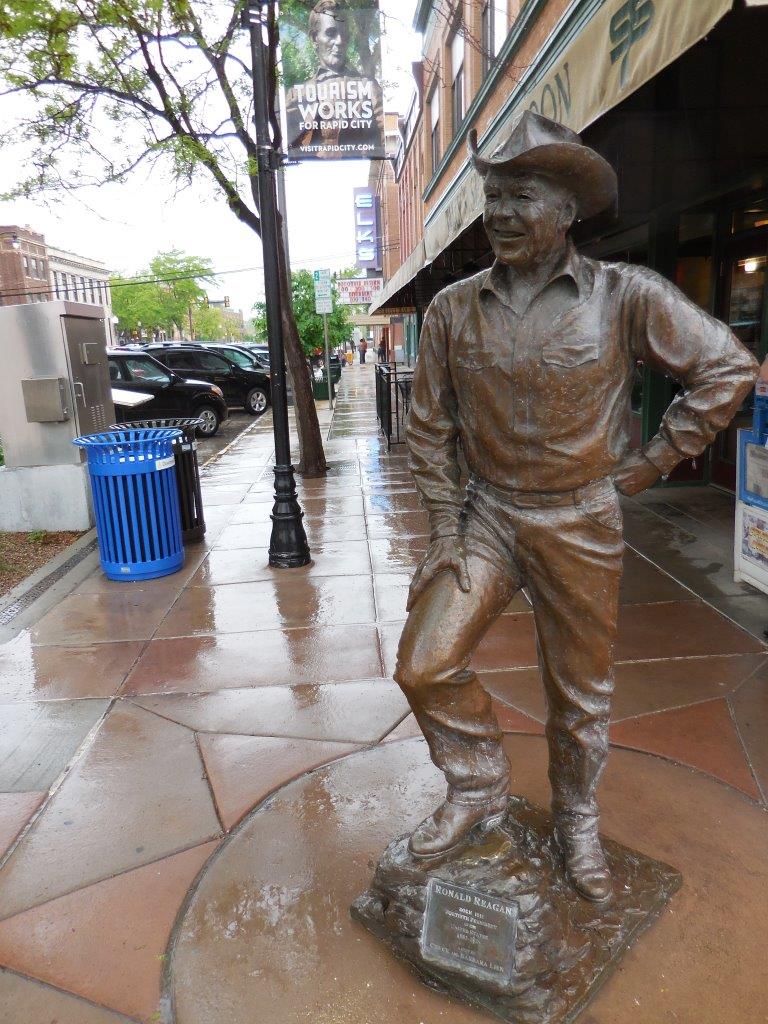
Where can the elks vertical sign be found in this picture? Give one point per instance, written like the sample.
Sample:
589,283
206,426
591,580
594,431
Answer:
367,234
331,53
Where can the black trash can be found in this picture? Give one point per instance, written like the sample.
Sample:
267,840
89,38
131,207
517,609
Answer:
187,471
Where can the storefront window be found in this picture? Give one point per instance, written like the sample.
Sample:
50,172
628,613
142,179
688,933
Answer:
754,215
693,273
745,312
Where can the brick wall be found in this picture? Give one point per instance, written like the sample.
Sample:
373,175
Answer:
23,266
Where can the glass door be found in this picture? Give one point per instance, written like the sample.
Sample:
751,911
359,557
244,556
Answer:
742,305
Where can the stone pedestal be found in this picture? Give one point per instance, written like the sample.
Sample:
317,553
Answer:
564,946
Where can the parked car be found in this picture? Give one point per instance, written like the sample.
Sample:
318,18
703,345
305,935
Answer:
316,368
246,387
173,395
239,354
259,352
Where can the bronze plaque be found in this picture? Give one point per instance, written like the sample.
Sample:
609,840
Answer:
469,930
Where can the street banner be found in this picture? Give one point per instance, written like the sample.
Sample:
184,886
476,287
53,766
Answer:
331,55
358,291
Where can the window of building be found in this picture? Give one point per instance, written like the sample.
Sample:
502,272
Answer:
500,24
434,138
494,22
26,264
486,36
457,78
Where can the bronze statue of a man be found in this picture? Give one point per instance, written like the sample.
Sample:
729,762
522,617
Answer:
529,365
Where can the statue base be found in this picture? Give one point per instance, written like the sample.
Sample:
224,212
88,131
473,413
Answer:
496,924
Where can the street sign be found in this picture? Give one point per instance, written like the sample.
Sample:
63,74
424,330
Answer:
322,282
324,306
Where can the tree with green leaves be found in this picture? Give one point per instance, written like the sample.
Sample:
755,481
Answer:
138,305
103,87
209,323
181,279
163,295
310,323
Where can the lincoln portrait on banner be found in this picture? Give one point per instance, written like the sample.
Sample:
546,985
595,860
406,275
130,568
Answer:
338,113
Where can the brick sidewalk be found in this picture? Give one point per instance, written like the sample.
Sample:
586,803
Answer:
142,722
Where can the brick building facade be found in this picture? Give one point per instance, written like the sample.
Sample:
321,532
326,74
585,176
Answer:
23,266
33,271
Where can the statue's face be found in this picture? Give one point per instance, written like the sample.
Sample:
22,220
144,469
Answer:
526,217
331,37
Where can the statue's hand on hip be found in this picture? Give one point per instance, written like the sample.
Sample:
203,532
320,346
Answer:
446,554
634,473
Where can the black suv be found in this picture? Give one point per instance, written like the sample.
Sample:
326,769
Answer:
240,354
242,386
132,370
261,354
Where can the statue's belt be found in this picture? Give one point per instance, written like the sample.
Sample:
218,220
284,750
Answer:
546,499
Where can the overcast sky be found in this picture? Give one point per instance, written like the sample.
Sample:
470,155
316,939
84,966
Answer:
126,225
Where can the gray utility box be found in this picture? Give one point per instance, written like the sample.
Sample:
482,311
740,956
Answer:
54,386
46,399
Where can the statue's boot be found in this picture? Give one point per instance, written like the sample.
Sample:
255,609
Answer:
585,863
450,823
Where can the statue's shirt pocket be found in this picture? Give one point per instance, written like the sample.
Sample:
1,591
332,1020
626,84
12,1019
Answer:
573,340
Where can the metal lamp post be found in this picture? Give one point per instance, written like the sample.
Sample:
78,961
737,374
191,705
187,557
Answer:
288,548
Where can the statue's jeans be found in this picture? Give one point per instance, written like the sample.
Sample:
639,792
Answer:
566,551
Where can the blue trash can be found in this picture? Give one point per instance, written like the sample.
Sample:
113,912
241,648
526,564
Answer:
136,502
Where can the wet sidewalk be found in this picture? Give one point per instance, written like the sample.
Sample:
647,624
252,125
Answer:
142,723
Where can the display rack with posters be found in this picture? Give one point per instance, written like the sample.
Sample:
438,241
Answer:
331,54
750,554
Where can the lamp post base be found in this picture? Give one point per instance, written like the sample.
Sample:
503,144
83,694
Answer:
288,547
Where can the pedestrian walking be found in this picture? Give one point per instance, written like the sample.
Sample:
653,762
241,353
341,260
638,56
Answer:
362,348
382,351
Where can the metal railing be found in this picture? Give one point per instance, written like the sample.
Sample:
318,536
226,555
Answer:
393,398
